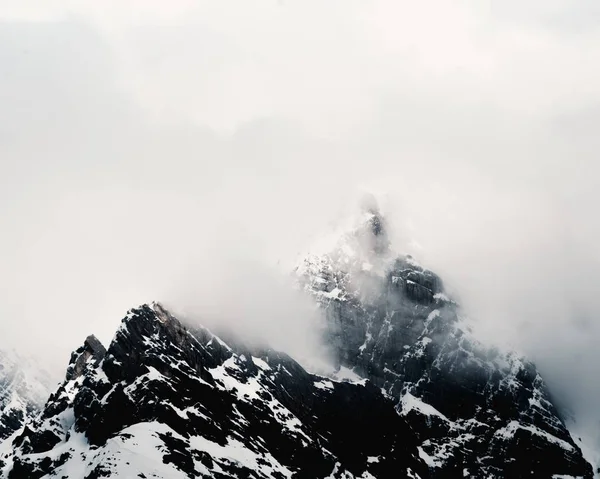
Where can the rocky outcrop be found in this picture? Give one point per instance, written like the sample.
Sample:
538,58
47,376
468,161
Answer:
171,401
477,411
92,350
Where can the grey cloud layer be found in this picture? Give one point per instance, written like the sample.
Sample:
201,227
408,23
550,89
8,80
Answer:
174,152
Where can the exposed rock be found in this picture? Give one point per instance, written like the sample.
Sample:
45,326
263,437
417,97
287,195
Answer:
92,348
171,401
476,410
168,400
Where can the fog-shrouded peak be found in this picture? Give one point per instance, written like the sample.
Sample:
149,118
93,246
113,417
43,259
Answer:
373,232
389,320
369,203
358,241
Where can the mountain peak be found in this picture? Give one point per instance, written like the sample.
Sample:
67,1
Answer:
358,243
371,218
373,234
368,203
92,349
388,320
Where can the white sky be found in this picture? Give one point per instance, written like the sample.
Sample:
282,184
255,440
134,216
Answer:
155,149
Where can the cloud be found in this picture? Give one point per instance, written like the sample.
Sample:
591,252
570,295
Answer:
149,149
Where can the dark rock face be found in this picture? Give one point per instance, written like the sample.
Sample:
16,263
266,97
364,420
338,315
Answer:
477,411
92,348
168,401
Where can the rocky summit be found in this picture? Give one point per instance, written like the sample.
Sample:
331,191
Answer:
168,399
475,410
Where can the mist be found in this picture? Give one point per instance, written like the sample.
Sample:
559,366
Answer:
191,153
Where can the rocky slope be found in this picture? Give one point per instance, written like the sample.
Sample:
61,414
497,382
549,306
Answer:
24,387
477,411
166,401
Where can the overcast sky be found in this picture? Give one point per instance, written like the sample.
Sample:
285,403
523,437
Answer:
156,150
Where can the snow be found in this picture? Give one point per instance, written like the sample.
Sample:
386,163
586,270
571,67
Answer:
261,364
129,454
132,456
412,475
368,338
429,460
334,472
410,402
367,475
345,374
441,297
5,452
138,450
434,314
24,384
287,419
511,428
324,385
245,391
333,294
236,451
152,375
337,474
249,391
442,451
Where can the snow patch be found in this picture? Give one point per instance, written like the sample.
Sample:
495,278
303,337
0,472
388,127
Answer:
410,403
324,385
508,431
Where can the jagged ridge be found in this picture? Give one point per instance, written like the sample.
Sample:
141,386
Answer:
169,401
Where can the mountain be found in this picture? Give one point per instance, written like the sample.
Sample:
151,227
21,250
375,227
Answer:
476,411
170,401
414,394
24,387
